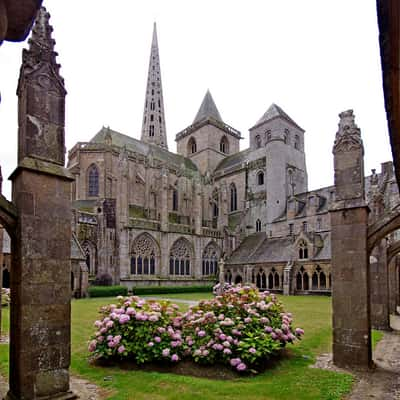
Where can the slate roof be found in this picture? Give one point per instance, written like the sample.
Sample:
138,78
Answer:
137,146
207,109
258,248
234,159
274,111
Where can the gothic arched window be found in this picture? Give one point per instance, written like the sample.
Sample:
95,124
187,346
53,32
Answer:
210,259
303,250
192,146
258,226
269,135
297,142
175,200
215,209
233,197
261,280
180,258
224,145
144,255
93,181
260,178
258,141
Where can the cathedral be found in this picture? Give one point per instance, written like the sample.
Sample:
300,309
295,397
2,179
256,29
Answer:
145,216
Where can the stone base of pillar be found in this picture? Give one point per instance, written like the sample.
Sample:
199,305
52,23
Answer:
59,396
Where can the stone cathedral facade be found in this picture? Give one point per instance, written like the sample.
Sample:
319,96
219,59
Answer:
146,216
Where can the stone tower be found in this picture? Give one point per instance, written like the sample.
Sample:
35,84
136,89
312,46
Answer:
282,141
153,128
208,140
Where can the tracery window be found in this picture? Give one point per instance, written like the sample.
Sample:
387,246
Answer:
318,279
224,145
144,255
180,258
273,279
303,250
233,197
261,280
210,260
93,181
302,280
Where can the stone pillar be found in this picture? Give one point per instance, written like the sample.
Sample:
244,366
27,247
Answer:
41,269
197,209
379,288
164,201
287,279
123,215
350,261
393,285
221,267
223,207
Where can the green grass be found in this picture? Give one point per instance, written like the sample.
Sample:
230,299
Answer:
290,379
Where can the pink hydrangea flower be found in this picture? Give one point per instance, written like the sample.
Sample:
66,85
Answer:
157,339
252,350
241,367
201,333
166,352
121,349
235,361
92,345
174,357
124,318
150,344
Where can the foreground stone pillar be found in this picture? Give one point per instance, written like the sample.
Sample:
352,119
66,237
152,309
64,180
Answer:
379,271
41,269
350,260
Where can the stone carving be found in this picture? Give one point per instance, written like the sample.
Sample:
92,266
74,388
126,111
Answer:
181,249
348,136
144,245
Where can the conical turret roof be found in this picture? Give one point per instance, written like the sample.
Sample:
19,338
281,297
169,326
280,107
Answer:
208,109
275,111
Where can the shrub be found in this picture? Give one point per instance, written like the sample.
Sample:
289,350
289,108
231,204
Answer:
171,289
107,291
5,297
241,328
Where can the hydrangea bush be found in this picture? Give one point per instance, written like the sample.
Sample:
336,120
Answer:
241,327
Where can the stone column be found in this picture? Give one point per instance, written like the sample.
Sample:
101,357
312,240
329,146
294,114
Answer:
123,215
164,200
350,261
197,209
393,285
380,288
287,279
41,269
221,267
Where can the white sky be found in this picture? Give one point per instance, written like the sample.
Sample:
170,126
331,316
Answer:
313,58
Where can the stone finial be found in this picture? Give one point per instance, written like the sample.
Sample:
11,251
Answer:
41,44
348,136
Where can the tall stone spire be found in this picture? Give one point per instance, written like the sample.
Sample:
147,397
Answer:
153,128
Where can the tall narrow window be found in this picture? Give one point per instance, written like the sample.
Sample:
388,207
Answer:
258,141
258,226
260,178
214,201
290,229
175,200
93,181
305,226
224,145
192,147
233,197
151,117
303,250
210,259
297,142
269,135
151,130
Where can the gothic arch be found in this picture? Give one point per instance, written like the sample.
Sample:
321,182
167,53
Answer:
145,255
260,178
233,193
211,255
393,250
381,228
192,146
90,250
92,180
181,258
224,145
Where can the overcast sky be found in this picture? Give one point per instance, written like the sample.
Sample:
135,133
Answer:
313,58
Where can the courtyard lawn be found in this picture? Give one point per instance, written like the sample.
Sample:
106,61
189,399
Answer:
290,379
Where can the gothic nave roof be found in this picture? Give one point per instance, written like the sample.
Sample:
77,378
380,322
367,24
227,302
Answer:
120,140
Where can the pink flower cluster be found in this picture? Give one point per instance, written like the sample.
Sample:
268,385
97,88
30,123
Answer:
241,328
